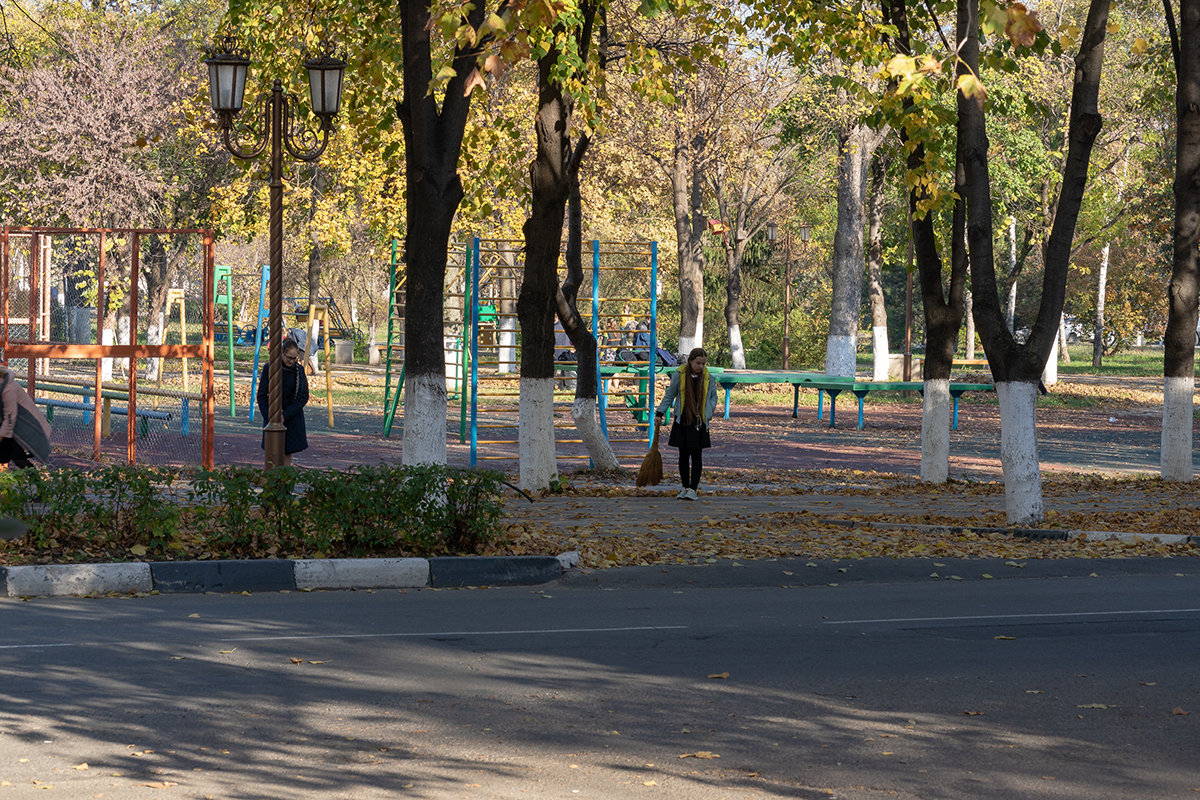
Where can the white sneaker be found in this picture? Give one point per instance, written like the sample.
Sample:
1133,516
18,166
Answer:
683,493
690,495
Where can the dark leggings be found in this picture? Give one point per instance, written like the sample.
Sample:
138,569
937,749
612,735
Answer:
690,478
11,451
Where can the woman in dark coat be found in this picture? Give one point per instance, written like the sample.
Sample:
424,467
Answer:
295,397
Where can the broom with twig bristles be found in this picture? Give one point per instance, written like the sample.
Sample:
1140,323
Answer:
650,473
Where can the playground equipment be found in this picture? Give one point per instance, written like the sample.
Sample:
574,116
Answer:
617,302
225,273
455,329
315,311
48,324
617,305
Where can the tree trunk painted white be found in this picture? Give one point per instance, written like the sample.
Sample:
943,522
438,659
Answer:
1101,290
935,431
587,422
373,346
507,339
539,464
106,366
840,355
154,335
879,344
424,420
1018,452
1063,352
689,343
1176,458
1050,371
737,355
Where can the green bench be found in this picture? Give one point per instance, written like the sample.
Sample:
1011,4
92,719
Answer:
861,389
833,386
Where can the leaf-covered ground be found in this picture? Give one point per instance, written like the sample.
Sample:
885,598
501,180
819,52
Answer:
757,514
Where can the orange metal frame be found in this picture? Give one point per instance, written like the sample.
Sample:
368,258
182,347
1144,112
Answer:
33,349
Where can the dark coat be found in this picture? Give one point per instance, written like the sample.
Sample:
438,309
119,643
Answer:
295,397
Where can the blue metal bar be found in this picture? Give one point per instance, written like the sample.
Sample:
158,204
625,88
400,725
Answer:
183,422
474,349
955,425
654,336
262,300
727,389
820,404
601,385
795,400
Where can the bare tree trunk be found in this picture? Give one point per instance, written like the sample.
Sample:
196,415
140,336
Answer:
1102,278
733,300
689,229
1179,352
854,155
970,327
1010,316
1016,368
943,309
585,409
433,141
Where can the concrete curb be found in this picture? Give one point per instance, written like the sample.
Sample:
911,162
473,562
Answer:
1025,533
274,575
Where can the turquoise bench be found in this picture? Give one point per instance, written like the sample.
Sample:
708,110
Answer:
143,415
833,386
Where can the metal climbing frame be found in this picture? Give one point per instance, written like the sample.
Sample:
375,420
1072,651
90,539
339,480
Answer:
455,330
72,315
618,303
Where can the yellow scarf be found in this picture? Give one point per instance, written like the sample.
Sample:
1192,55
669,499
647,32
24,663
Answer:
701,401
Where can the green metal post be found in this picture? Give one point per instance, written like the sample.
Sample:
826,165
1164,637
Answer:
387,370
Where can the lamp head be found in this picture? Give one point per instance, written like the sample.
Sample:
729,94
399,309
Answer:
228,67
805,232
325,74
772,232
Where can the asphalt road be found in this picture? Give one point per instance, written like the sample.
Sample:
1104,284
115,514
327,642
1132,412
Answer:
700,683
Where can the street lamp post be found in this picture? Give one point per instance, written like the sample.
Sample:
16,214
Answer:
279,129
772,235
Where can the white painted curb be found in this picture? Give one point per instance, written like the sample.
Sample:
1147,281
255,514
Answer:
361,573
62,580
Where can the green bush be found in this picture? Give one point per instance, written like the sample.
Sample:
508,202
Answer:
245,512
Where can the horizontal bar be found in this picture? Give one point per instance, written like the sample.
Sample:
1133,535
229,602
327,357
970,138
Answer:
28,350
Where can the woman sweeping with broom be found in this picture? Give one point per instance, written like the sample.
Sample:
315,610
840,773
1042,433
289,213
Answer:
692,396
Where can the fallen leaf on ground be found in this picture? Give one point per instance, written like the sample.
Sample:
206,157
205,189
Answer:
699,754
719,675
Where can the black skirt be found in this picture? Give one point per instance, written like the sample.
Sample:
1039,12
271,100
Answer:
689,436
